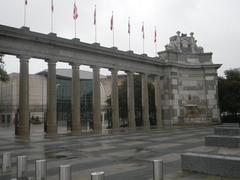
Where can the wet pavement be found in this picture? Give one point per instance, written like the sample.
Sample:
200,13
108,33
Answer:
121,155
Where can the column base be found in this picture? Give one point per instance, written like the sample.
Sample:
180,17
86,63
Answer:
23,131
51,130
76,131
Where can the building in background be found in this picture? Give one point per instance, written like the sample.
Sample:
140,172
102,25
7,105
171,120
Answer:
9,97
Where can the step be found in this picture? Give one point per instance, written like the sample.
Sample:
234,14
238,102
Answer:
223,141
218,165
227,131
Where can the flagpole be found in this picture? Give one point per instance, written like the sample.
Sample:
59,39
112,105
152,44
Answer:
155,40
113,28
129,34
95,33
51,15
156,48
95,22
24,21
129,43
75,20
75,27
143,35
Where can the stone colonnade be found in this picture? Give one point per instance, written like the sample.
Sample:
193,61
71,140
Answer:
23,126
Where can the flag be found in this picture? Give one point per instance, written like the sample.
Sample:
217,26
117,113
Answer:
143,35
75,13
111,23
52,7
26,2
129,26
95,16
155,35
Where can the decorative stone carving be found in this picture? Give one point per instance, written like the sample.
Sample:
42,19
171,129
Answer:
183,43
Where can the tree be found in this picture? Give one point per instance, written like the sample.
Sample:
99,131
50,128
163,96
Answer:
3,74
229,92
123,109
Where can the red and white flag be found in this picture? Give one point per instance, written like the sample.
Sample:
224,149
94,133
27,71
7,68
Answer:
95,16
52,6
143,34
111,23
129,26
75,13
155,35
26,2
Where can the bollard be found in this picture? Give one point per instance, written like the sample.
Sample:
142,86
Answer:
41,170
157,170
21,166
6,162
97,176
65,172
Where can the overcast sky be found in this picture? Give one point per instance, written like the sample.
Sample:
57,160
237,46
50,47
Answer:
214,22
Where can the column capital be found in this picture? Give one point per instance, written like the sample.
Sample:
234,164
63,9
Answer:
144,74
51,61
23,57
74,65
95,68
113,70
129,72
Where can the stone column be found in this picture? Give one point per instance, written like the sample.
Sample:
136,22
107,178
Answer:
97,124
145,103
23,126
76,123
158,105
51,99
114,100
130,100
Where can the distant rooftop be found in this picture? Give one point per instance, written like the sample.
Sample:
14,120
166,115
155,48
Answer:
67,73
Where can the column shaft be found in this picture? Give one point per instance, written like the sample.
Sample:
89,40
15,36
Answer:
158,102
23,128
76,123
130,100
51,99
114,100
145,103
97,125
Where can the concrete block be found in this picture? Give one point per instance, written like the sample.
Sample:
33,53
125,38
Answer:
218,165
222,141
227,131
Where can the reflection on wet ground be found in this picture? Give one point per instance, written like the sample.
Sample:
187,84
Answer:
122,155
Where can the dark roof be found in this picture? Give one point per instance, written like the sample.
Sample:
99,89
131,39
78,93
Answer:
67,73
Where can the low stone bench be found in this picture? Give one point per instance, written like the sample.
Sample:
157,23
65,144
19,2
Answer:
227,131
223,141
217,165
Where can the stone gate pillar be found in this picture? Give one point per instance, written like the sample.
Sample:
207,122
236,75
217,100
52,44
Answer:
51,99
97,124
158,104
145,103
114,100
23,126
76,123
130,100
